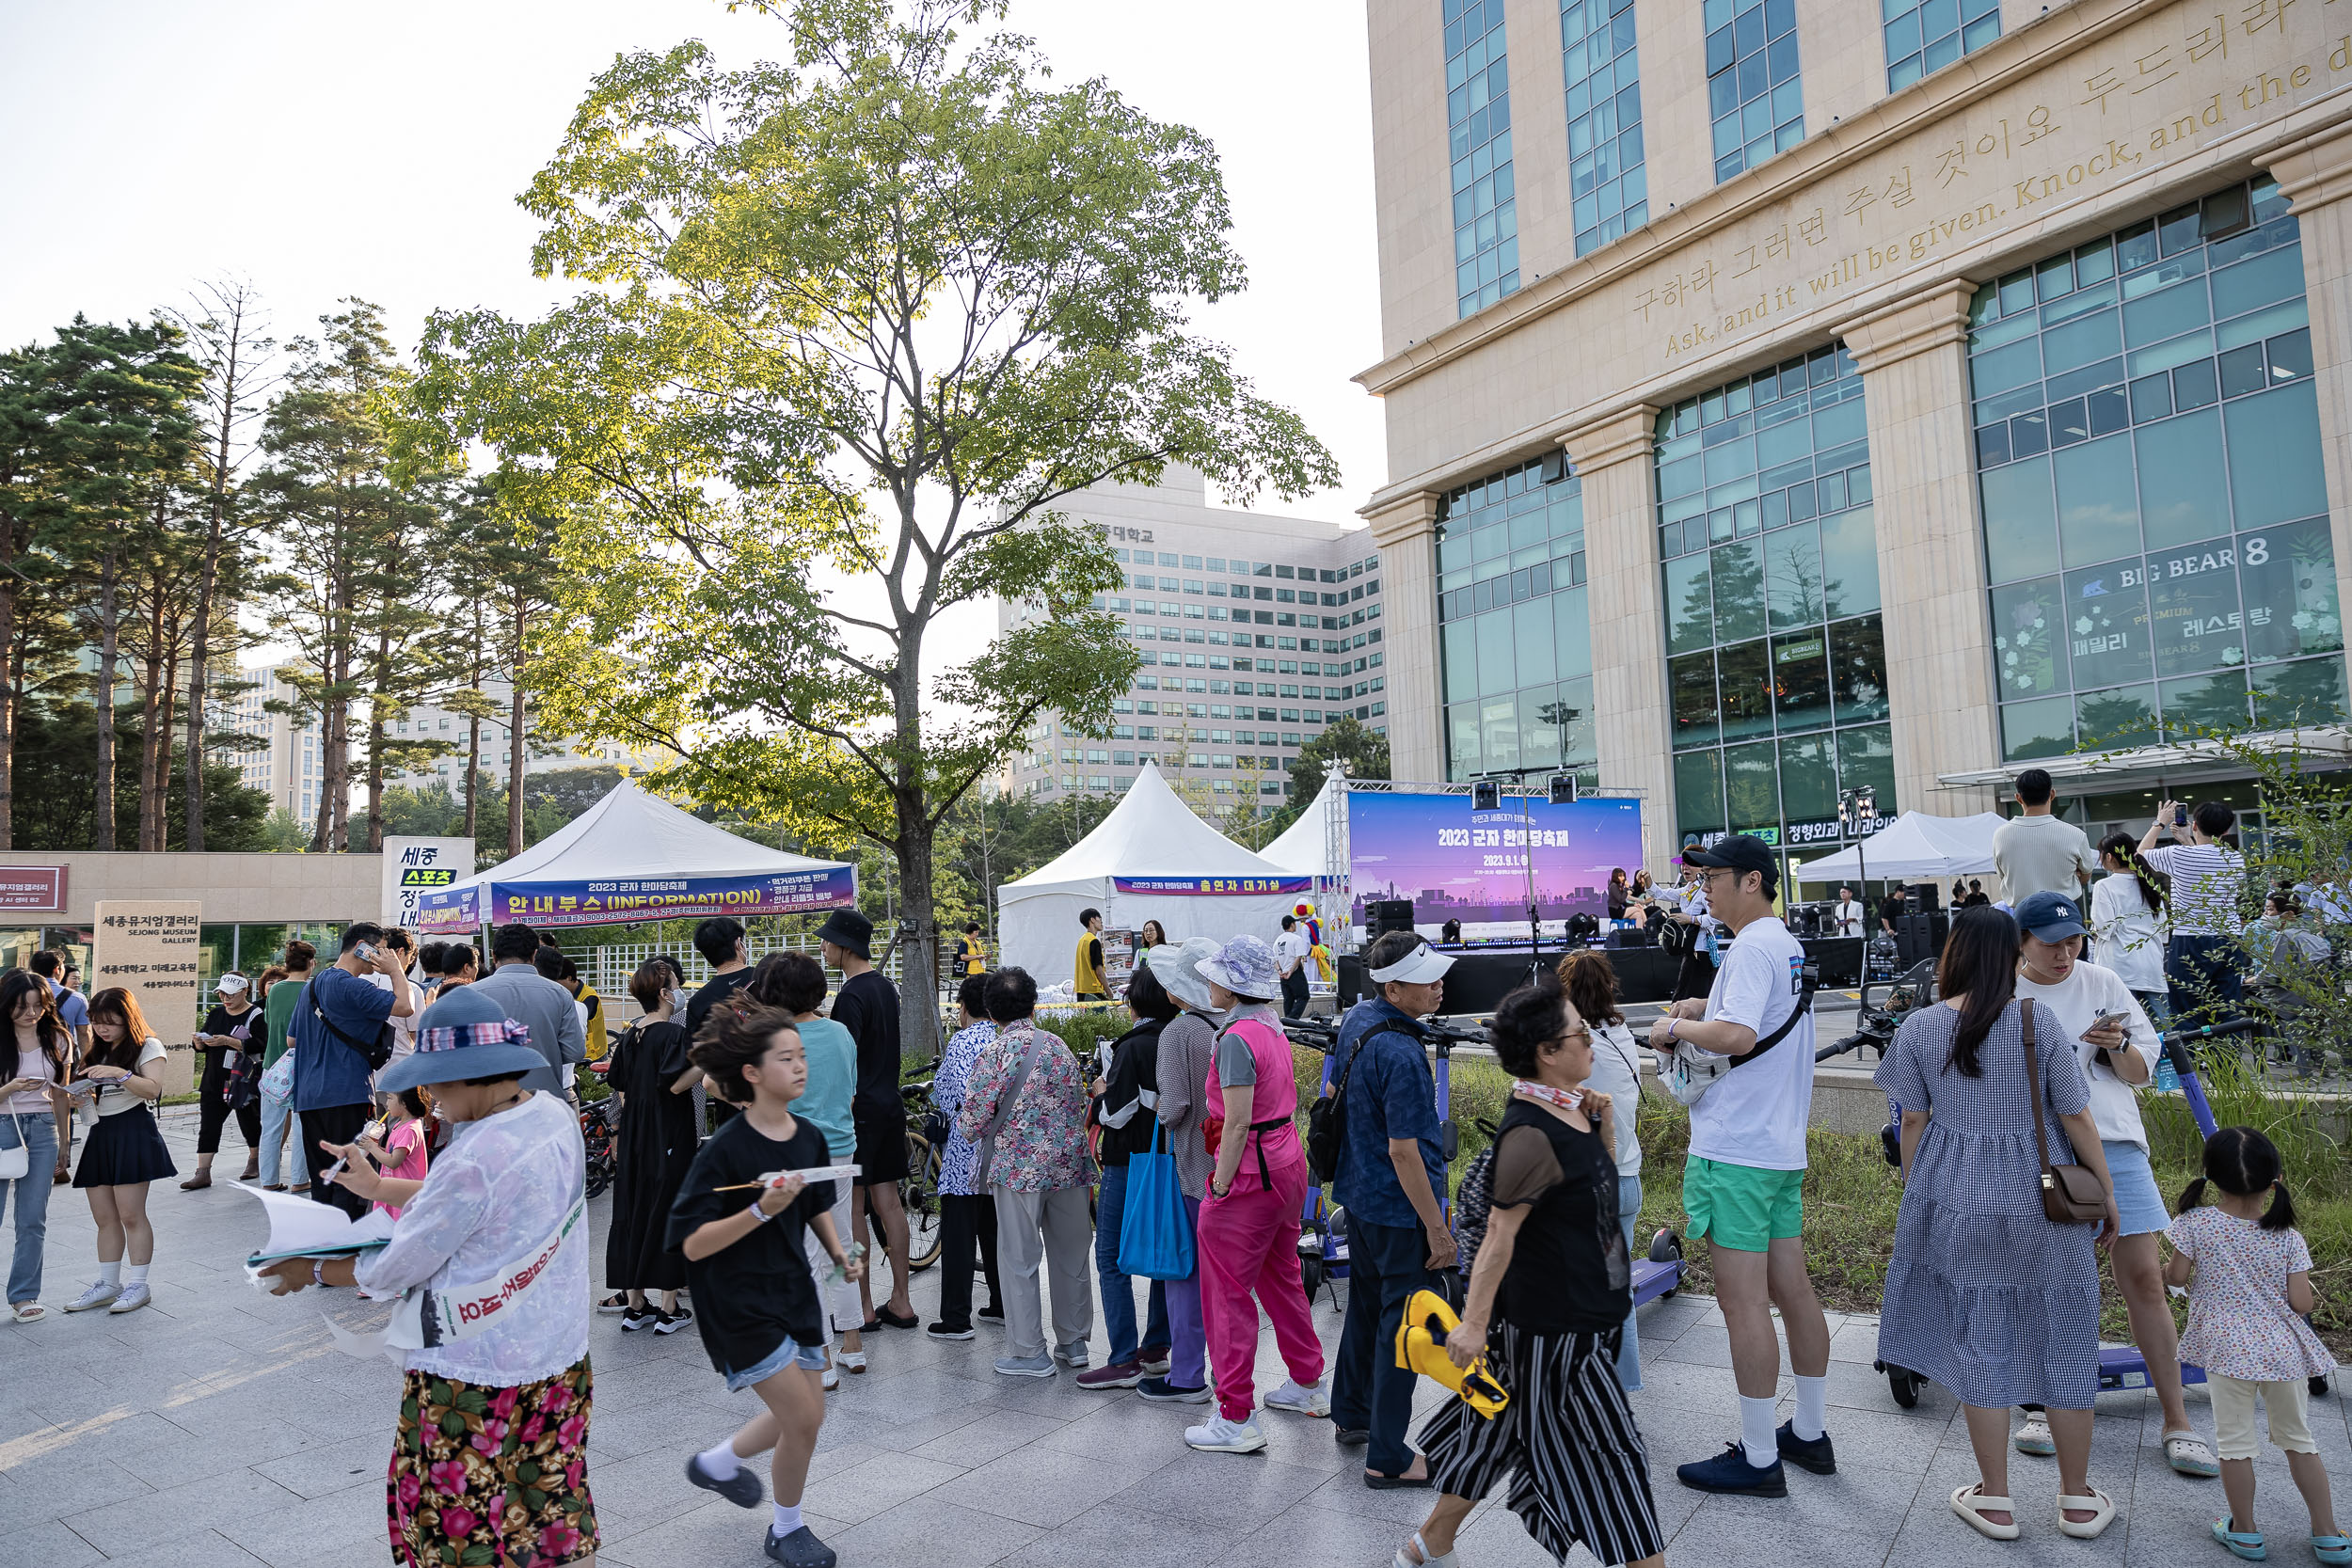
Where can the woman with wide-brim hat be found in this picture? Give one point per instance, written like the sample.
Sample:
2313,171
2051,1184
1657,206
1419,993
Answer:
489,1263
1248,1241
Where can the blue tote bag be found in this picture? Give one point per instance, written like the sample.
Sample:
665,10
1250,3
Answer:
1155,1233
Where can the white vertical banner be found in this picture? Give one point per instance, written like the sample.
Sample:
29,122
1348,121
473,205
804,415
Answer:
416,865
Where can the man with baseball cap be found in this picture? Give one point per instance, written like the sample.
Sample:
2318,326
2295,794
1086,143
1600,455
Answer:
1390,1174
2117,1046
1744,1182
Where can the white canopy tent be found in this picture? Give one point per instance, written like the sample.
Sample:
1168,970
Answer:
1149,836
634,857
1914,848
1303,846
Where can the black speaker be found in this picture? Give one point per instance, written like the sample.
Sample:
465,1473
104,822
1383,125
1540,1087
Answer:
1923,898
1383,915
1919,937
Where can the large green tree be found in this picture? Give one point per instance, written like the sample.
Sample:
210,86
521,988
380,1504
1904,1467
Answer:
869,314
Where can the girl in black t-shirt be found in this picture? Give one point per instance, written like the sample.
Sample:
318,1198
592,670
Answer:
758,1302
1548,1300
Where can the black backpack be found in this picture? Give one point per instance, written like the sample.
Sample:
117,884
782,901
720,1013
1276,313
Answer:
1472,1200
1327,1118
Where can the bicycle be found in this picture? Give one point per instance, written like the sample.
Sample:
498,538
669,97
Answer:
918,1190
599,1128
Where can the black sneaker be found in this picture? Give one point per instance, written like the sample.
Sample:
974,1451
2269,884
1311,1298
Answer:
993,1316
741,1488
800,1549
637,1317
670,1323
1815,1456
1350,1437
949,1331
1730,1474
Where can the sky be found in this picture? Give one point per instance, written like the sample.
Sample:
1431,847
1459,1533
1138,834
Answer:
325,150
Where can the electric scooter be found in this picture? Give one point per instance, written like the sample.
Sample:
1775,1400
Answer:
2121,1367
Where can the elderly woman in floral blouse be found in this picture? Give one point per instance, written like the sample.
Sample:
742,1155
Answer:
967,1215
1026,1110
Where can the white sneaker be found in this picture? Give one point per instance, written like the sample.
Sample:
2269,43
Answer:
1300,1400
132,1299
99,1294
1226,1436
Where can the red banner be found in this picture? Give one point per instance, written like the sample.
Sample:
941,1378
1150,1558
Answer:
39,888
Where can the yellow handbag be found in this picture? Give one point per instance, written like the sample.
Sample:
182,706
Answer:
1420,1348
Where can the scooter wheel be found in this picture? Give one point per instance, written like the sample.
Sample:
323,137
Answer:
1904,1385
1666,1247
1310,1274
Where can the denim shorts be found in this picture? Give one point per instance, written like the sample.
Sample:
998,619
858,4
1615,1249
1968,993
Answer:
2137,1202
789,1353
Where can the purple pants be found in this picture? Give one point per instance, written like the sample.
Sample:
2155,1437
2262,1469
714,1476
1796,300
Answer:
1188,1348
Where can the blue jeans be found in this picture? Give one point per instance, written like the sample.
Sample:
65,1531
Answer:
1119,1290
2202,973
278,1119
1629,1347
31,1200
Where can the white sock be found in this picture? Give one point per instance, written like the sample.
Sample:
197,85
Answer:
719,1463
136,1273
1756,1427
1812,1407
787,1517
110,1274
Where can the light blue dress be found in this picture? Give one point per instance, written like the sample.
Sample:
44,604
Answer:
1984,1294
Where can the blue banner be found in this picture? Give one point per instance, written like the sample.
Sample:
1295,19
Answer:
626,900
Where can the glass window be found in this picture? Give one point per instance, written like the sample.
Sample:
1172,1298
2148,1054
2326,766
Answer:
1478,121
1849,564
1738,587
1690,604
1509,638
1496,659
1751,788
1754,93
1578,744
1692,681
1607,179
2308,691
1808,778
1930,35
1792,571
1539,729
1699,792
2180,484
1532,638
1746,679
1857,653
1572,632
1800,680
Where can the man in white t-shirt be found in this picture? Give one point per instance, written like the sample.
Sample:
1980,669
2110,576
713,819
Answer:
1742,1185
2118,1047
2040,853
1291,952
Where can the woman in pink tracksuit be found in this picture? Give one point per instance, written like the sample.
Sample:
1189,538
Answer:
1249,1221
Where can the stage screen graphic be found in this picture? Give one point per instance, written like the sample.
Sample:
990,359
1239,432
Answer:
1456,864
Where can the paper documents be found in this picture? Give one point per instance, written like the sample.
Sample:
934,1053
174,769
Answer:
299,1227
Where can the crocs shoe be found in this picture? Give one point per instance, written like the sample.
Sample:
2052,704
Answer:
741,1488
2034,1436
2247,1544
800,1549
2187,1452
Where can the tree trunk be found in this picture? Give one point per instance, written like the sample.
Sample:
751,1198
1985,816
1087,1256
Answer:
208,573
166,711
376,744
516,715
919,924
151,774
473,771
102,690
11,702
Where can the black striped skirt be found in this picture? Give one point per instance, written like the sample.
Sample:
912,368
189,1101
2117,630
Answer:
1578,1468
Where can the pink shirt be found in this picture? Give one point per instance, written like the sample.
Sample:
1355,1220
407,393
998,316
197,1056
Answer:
2239,1322
409,1135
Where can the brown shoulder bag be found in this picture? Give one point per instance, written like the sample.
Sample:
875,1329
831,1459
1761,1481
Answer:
2071,1194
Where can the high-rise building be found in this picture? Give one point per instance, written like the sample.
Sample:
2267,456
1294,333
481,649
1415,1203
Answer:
289,768
1800,395
1254,630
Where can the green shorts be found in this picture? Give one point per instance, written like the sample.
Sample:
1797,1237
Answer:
1742,1207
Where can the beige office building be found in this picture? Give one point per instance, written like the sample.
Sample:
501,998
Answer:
1794,396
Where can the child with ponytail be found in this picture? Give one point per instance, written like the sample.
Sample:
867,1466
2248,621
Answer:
2249,1279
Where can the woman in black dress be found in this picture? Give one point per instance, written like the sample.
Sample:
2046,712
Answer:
656,1143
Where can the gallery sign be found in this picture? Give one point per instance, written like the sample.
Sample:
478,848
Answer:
36,889
150,950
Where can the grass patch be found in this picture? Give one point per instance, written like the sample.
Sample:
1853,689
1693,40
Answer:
1852,1195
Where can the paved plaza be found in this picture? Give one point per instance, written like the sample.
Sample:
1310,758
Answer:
219,1427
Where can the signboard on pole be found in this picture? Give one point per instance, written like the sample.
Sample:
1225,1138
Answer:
33,888
149,950
414,866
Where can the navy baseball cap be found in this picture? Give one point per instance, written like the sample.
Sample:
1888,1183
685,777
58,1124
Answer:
2051,917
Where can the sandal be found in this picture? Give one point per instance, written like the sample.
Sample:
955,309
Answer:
617,1302
2102,1508
2246,1543
1970,1502
2187,1453
2332,1549
33,1312
1420,1556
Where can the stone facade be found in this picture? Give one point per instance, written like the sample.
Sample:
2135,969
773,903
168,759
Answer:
1875,232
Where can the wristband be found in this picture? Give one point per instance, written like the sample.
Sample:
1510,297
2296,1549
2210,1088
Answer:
761,1215
1674,1021
318,1271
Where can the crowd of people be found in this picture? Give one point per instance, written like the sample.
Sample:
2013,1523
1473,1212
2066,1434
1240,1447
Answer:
762,1138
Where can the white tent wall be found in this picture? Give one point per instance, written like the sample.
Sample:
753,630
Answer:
1038,931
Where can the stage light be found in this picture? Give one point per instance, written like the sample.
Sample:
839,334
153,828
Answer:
1485,795
1564,790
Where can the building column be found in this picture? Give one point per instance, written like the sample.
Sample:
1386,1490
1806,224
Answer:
1406,531
1631,724
1935,607
2315,174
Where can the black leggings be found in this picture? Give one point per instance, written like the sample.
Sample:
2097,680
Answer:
212,1111
965,1224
